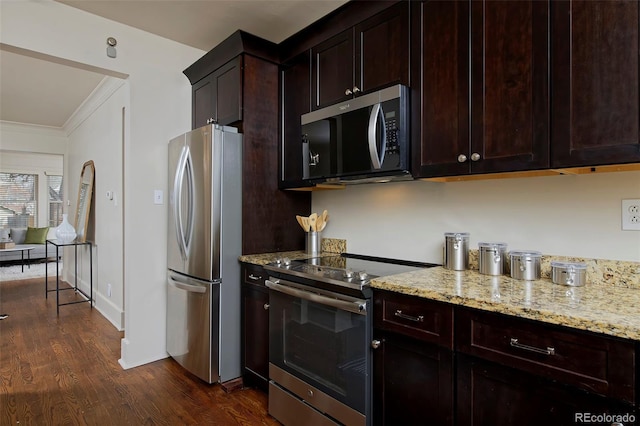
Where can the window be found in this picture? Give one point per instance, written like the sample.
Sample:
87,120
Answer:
55,197
18,200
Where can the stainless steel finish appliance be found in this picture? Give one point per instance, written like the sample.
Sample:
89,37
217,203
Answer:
204,242
362,140
320,326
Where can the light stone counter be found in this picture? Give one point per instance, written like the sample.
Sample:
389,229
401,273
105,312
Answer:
611,310
609,303
330,247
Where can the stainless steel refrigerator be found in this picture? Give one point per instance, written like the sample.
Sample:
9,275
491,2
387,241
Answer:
204,242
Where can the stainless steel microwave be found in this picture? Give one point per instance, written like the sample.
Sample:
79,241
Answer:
365,139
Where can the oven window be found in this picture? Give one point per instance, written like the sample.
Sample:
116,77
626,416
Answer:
321,345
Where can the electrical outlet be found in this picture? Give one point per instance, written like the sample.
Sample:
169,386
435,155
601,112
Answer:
631,215
108,289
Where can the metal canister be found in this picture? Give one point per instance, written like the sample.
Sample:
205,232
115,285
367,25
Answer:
569,273
525,265
456,251
492,258
312,243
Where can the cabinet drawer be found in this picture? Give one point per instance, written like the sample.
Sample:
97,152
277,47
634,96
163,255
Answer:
253,274
592,362
412,316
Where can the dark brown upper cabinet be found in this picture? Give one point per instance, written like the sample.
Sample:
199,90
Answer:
237,83
488,113
595,100
217,98
296,87
371,55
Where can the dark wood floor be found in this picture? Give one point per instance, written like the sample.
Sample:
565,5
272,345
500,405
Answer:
57,370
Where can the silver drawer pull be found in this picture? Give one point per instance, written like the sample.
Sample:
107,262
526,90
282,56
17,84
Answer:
399,314
255,277
548,351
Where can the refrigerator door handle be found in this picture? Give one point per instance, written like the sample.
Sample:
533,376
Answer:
183,283
184,170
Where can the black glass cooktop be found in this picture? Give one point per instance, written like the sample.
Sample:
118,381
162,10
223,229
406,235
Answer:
347,269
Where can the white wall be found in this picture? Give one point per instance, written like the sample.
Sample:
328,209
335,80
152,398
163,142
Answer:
160,100
99,138
561,215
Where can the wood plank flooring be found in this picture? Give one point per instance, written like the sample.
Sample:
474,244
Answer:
63,370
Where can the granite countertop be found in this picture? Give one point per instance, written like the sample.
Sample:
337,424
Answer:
611,310
609,303
264,258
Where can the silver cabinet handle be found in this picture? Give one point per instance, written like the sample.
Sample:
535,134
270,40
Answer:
348,92
255,277
475,156
375,344
355,89
211,121
266,306
549,351
462,158
399,314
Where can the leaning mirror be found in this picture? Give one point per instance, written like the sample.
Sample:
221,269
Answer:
84,200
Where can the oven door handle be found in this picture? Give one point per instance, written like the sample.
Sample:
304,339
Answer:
357,307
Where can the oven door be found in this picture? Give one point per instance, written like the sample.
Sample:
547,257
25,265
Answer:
321,339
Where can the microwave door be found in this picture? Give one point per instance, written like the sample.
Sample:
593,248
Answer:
377,136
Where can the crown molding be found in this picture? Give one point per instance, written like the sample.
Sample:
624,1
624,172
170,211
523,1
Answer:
13,127
107,87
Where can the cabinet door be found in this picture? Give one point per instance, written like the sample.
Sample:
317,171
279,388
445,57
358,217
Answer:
490,394
217,98
382,49
509,86
228,92
296,87
440,90
255,324
332,70
595,98
203,102
413,383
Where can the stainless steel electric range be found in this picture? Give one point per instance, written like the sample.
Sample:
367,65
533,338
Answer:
320,326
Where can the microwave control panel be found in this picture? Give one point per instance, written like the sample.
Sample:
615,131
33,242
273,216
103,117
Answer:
393,146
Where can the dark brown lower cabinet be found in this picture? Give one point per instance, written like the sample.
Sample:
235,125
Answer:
255,327
440,364
495,395
413,382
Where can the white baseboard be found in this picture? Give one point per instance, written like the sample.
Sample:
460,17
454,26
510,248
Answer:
103,304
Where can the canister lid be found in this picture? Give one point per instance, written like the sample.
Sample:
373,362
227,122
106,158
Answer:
501,246
456,234
524,253
574,265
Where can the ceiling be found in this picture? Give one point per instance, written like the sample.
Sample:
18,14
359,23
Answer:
25,97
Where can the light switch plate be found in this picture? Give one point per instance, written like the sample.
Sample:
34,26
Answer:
158,196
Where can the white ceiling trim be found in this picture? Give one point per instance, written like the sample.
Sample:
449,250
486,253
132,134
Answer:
107,87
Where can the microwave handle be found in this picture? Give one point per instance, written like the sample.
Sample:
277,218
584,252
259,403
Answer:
376,157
